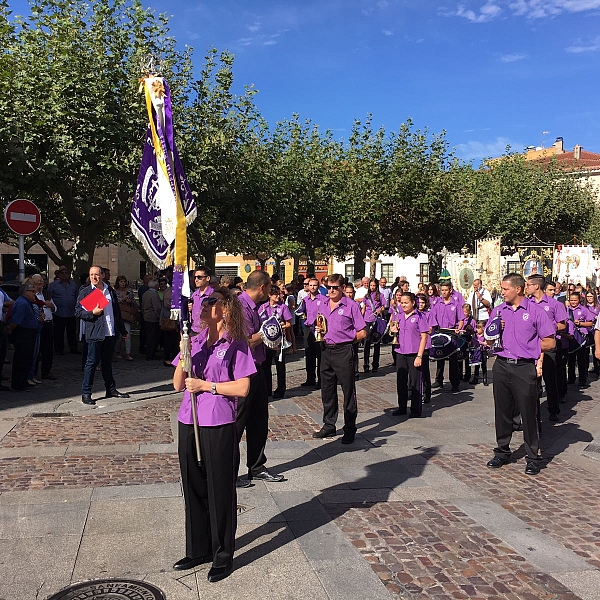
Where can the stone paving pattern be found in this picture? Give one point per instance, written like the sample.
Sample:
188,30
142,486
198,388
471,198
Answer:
408,511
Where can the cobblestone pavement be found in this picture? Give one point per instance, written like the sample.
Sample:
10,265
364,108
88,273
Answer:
408,511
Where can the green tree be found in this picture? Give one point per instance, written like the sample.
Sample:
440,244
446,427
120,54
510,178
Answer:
74,117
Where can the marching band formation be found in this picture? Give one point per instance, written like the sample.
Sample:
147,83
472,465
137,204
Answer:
237,335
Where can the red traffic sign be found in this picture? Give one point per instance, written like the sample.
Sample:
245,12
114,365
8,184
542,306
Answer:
23,217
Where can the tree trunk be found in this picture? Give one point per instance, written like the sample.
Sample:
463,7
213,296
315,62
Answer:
296,267
310,261
435,267
83,256
359,260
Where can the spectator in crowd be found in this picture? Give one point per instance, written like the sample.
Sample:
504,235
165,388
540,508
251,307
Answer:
141,291
24,327
63,292
45,353
6,304
362,291
152,309
170,329
385,292
129,309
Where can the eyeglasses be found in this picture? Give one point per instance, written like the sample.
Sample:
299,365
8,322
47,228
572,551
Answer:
200,276
332,287
274,293
210,301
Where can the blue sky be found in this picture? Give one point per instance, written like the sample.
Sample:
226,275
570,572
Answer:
490,73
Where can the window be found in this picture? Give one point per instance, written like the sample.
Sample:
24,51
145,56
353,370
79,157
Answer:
349,272
424,272
387,271
513,266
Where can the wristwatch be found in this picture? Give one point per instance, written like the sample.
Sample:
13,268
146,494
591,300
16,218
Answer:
213,389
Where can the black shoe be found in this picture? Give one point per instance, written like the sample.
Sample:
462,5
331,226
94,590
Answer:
426,400
278,395
324,433
217,573
116,394
87,399
435,385
517,426
264,475
532,468
584,386
474,381
308,384
413,415
485,382
455,388
553,417
399,412
242,483
366,369
497,462
189,563
465,378
375,369
318,385
356,376
348,438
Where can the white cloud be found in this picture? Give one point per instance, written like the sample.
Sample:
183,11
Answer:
509,58
255,26
580,46
476,150
476,12
487,12
387,32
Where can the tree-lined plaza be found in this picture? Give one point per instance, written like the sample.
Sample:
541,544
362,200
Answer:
72,132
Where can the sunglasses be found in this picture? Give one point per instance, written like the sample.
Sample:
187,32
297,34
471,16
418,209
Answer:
332,287
200,276
210,301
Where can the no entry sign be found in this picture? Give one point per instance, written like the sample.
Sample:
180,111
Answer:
22,216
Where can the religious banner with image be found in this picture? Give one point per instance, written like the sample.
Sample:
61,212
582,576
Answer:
462,271
574,264
536,258
488,263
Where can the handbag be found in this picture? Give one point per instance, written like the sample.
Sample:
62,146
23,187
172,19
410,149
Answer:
167,324
128,317
379,326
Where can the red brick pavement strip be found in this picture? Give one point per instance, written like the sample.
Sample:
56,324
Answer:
291,427
562,501
145,424
21,474
432,550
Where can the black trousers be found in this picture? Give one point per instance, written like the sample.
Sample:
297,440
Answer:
24,342
409,383
62,324
452,368
561,370
209,492
516,391
312,356
3,345
549,374
172,339
483,367
272,356
582,359
253,417
46,354
367,351
337,366
426,377
152,337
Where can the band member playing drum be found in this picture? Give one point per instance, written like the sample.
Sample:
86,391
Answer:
345,327
412,328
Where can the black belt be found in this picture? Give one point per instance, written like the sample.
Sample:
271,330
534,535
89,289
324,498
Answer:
517,361
337,345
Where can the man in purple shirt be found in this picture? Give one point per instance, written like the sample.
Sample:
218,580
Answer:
202,277
535,287
253,410
527,332
312,352
583,320
447,314
345,327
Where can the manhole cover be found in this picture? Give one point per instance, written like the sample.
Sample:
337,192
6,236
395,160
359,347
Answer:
45,415
110,589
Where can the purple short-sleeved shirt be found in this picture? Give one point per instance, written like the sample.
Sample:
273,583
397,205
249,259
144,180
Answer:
343,322
197,306
581,313
310,304
524,329
371,303
252,320
280,310
446,315
595,310
554,309
224,361
433,300
409,331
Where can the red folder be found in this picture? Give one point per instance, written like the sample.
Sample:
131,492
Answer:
96,298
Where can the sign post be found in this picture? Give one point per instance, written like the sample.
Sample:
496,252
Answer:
23,217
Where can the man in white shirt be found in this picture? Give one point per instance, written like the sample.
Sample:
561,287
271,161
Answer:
385,291
361,292
480,300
